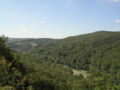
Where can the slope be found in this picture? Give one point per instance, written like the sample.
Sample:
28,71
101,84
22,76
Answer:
12,72
96,55
83,52
25,44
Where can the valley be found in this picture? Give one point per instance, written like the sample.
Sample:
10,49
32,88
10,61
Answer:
83,62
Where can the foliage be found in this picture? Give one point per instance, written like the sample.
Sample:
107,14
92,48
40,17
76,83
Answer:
53,65
11,73
98,53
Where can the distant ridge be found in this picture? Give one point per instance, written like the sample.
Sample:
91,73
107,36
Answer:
25,44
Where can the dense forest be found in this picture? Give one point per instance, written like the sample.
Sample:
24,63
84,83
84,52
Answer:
84,62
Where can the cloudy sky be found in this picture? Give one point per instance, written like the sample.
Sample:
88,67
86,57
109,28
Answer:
57,18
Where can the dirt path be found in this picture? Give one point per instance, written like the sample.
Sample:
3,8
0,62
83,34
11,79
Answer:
80,72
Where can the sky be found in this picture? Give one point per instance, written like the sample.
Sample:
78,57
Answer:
57,18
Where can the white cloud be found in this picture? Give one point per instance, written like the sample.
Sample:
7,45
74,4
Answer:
117,29
115,0
69,2
23,29
117,21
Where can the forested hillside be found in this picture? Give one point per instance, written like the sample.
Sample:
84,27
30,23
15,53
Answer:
22,72
84,62
98,53
25,44
12,72
82,52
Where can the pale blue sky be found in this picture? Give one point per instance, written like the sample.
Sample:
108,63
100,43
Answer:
57,18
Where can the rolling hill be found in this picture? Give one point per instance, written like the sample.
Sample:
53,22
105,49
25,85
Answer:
25,44
83,62
97,50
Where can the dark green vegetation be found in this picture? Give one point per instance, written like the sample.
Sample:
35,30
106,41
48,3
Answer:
85,62
82,52
25,44
98,53
12,72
